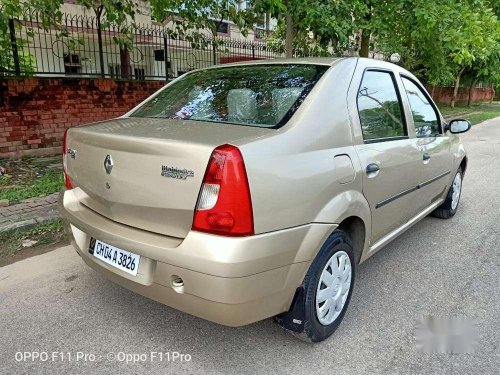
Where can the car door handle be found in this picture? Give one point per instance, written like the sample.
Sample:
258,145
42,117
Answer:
372,169
426,156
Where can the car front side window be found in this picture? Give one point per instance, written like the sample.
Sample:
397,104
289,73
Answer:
424,115
379,107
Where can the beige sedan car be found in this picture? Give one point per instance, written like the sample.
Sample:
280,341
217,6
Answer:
254,190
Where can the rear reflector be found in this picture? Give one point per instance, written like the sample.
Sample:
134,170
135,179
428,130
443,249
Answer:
224,204
67,181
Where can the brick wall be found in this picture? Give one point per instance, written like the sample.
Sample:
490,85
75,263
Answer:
445,94
34,112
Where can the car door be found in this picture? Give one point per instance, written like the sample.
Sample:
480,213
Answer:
434,144
388,151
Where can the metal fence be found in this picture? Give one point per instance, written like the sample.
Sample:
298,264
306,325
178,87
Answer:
80,47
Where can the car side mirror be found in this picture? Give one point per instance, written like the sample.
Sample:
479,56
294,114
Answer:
458,126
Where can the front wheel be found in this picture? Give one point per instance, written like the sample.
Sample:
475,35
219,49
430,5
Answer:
450,205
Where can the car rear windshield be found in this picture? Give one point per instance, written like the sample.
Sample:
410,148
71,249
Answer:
256,95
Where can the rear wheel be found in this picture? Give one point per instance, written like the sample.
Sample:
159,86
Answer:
328,287
450,205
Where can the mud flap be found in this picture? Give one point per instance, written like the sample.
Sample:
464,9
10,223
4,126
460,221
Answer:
293,319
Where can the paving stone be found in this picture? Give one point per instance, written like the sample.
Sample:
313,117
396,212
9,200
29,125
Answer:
29,212
18,225
35,204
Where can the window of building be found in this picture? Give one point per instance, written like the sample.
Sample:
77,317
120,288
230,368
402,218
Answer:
243,5
424,115
223,27
139,73
159,55
262,27
72,64
260,33
379,106
115,71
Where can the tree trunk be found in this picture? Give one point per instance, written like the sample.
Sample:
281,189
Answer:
290,34
125,63
364,48
98,14
494,93
433,91
455,91
471,90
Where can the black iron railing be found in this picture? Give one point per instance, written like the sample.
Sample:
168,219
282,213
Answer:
81,47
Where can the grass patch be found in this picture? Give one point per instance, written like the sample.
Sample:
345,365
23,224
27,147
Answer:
11,242
447,111
30,177
477,118
46,184
476,113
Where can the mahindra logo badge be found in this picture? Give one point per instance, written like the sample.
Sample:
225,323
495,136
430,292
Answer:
174,172
108,164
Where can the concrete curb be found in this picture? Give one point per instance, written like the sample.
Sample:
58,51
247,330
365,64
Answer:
28,224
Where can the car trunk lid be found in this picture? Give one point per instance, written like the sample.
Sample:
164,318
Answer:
155,168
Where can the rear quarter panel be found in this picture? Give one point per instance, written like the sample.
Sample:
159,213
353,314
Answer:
292,173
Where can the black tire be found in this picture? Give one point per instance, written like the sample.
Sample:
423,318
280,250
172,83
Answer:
446,211
314,331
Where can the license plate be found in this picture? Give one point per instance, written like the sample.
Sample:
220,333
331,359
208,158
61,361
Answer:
119,258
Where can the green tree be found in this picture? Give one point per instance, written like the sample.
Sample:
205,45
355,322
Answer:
439,41
487,67
49,12
119,13
313,26
112,11
191,17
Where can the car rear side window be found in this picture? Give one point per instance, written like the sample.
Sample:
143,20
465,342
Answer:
424,115
379,107
254,95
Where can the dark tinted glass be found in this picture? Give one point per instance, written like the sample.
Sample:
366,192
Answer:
379,106
258,95
424,115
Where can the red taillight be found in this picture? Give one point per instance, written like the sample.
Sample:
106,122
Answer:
67,181
224,205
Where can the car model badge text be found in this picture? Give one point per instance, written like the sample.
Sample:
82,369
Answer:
174,172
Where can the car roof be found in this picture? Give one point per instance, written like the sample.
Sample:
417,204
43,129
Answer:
328,61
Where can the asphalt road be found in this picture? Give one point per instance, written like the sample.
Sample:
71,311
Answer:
444,268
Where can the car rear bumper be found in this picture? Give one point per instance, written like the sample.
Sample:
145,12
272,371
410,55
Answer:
230,281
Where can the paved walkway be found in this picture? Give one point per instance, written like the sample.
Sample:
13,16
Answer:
29,213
